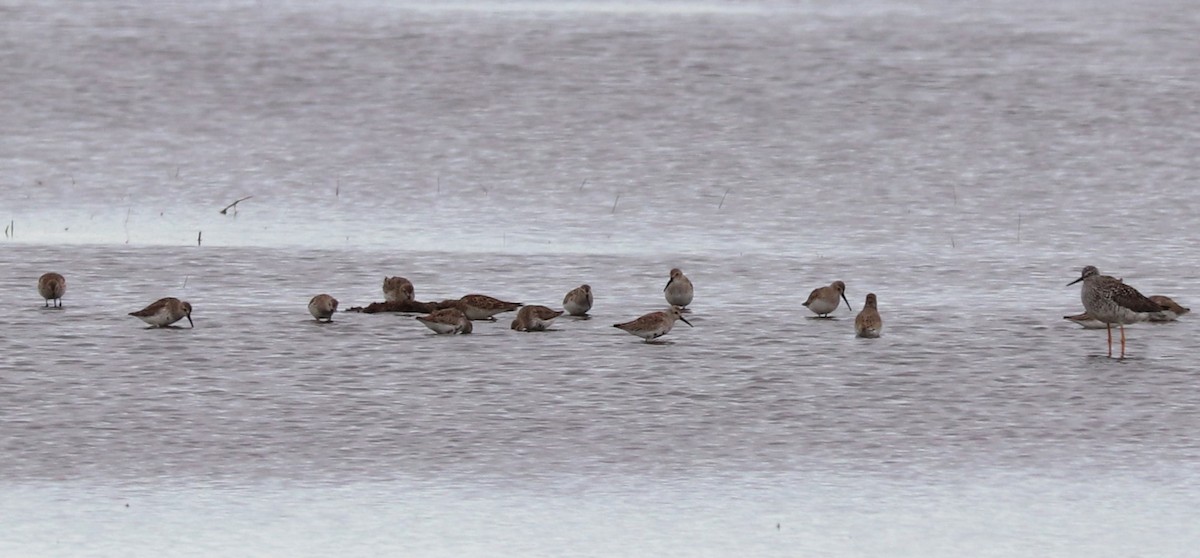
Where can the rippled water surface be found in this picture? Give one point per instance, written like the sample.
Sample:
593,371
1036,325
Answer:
962,164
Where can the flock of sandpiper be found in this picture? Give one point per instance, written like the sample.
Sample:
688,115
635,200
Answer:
456,316
1106,301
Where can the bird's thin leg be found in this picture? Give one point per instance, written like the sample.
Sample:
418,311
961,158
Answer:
1108,328
1122,340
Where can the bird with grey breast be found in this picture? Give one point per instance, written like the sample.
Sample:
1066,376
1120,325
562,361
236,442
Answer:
1111,301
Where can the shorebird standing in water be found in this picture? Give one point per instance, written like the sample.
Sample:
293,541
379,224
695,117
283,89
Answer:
824,300
483,307
868,323
679,290
322,307
1171,309
579,301
1111,301
164,312
52,286
654,325
397,289
446,321
535,318
1086,321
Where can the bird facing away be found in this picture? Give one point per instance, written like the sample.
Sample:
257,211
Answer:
483,307
535,318
397,289
1171,309
679,290
1113,302
447,321
164,312
322,307
654,325
579,301
824,300
868,323
52,286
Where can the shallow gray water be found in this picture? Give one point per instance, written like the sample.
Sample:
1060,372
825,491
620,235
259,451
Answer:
961,164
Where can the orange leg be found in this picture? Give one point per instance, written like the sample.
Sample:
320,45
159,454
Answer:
1108,328
1122,340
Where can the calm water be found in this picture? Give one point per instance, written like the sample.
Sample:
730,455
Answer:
960,163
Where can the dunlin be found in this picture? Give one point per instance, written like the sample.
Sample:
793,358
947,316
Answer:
1113,302
322,307
653,325
535,318
52,286
447,320
1171,309
679,290
579,301
868,323
397,289
824,300
164,312
483,307
1086,321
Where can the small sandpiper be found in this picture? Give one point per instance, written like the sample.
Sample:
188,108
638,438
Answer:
1086,321
397,289
1111,301
164,312
52,287
483,307
322,307
679,290
535,318
447,321
824,300
654,325
1171,309
579,301
868,323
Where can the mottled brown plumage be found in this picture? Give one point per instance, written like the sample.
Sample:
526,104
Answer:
164,312
52,286
322,307
483,307
868,323
447,321
535,318
653,325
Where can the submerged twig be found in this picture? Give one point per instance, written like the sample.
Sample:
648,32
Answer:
234,205
614,208
722,204
582,184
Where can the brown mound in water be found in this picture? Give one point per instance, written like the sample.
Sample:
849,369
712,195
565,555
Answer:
404,306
